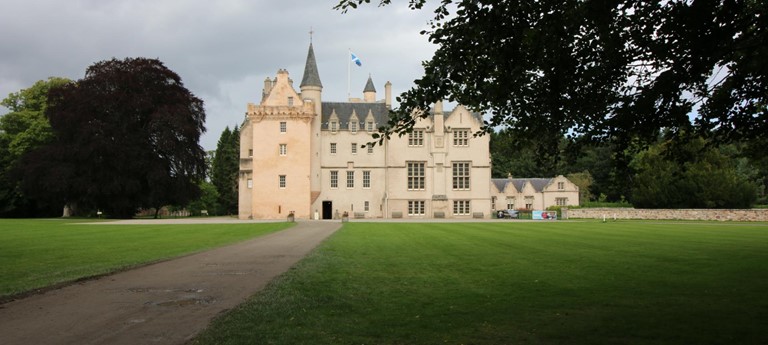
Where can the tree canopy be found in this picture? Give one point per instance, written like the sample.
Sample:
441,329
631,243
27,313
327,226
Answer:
691,175
24,128
125,136
597,69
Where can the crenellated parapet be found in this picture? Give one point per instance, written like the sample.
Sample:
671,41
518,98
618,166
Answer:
304,112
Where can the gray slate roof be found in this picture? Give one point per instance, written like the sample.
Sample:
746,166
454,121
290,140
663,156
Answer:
344,112
311,75
500,183
537,183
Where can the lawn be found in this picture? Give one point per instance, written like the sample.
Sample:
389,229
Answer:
517,283
40,253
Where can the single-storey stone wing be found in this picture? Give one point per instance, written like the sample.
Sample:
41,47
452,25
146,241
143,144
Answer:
301,155
534,193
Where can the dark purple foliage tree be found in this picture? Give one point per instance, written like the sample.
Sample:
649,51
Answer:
126,137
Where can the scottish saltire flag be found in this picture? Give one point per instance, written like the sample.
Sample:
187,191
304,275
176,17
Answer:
355,59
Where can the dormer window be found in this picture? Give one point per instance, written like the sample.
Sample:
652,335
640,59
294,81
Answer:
369,126
353,127
334,126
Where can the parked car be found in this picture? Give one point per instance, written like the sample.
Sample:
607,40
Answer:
507,214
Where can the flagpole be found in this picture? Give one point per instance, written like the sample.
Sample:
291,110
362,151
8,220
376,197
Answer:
349,71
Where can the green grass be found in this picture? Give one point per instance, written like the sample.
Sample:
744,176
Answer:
517,283
40,253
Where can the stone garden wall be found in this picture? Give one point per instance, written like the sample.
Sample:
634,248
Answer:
749,215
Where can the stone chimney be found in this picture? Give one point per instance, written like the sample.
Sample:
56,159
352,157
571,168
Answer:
388,95
268,84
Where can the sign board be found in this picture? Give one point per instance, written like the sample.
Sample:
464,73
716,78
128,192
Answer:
544,215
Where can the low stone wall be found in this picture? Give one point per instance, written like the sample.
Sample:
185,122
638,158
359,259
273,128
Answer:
749,215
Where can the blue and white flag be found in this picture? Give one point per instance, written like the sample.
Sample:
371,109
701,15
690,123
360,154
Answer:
355,59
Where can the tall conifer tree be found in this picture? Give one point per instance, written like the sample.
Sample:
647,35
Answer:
225,168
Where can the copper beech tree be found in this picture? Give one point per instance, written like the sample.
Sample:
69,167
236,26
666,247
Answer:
126,136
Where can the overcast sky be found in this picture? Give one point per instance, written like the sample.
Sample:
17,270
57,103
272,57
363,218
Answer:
223,50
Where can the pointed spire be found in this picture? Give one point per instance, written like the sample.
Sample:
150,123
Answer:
311,76
369,85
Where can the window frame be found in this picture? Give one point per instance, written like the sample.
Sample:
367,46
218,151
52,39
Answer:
366,179
350,179
462,207
416,175
334,179
461,137
461,175
417,208
416,138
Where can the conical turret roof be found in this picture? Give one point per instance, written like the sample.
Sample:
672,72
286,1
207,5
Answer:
311,76
369,85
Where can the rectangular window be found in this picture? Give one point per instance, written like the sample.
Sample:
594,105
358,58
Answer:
290,101
333,148
561,201
353,127
416,175
283,126
250,183
334,126
461,137
283,149
416,137
282,181
370,148
250,152
366,179
460,175
334,179
528,202
369,126
366,206
354,148
350,179
560,185
460,207
416,207
510,203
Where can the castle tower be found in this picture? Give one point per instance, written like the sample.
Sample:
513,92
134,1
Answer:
275,153
369,92
311,91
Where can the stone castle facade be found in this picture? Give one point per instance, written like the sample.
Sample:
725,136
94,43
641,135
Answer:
301,155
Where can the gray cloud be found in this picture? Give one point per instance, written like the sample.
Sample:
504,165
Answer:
222,50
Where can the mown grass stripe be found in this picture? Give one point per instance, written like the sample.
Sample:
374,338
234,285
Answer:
39,253
515,282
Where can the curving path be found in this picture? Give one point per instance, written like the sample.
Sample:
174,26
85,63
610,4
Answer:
164,303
